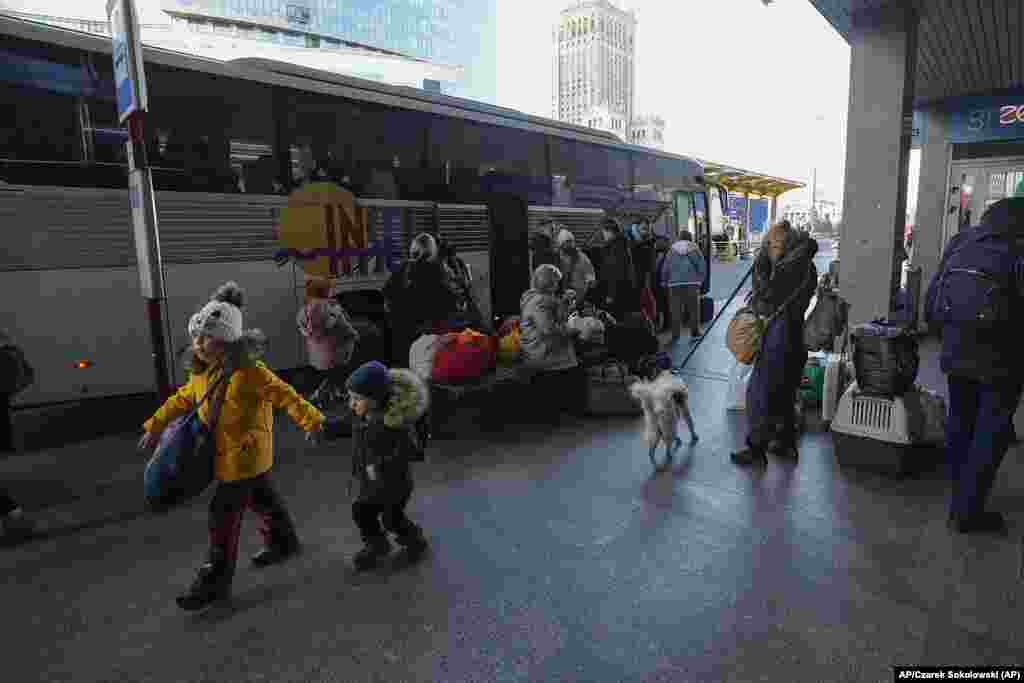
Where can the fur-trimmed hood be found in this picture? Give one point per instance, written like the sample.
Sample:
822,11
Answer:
409,400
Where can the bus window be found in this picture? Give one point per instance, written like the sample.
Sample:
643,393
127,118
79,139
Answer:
656,175
576,165
40,124
476,158
372,150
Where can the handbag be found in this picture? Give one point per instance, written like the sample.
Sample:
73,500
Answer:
745,334
183,465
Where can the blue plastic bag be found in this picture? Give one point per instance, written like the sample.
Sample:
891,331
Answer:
182,466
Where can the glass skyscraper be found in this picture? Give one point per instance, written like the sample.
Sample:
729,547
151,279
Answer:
454,32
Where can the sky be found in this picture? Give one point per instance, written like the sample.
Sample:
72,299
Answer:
762,88
737,82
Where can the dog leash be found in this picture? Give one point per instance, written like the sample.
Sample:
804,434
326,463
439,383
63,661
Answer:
678,370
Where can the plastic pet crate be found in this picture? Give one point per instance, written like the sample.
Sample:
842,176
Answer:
881,435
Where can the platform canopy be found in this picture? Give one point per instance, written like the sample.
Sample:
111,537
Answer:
964,47
744,182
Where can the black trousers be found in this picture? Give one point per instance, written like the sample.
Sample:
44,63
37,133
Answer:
6,425
229,503
979,432
368,516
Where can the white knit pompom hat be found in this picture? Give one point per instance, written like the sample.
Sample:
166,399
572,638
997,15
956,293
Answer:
221,318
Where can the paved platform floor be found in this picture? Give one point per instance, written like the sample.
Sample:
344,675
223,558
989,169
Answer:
557,555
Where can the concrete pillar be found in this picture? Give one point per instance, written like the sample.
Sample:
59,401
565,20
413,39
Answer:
932,199
882,65
775,209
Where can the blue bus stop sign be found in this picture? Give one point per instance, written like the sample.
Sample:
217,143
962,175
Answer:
129,76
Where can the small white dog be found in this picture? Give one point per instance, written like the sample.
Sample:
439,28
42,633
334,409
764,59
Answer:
664,400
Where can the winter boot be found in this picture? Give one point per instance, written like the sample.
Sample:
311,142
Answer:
373,550
414,543
212,584
277,553
986,522
17,526
750,455
280,540
784,448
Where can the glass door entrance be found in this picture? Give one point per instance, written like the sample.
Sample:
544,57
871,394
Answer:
976,185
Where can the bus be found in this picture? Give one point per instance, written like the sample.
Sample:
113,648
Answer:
228,142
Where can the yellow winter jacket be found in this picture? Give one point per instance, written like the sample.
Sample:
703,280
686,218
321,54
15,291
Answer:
244,431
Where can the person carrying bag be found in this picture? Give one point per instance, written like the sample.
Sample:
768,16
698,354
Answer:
226,365
182,467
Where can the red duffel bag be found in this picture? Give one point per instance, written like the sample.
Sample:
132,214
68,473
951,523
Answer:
463,357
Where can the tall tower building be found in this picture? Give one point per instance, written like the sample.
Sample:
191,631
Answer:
594,66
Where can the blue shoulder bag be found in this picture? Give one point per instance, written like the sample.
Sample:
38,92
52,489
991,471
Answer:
182,466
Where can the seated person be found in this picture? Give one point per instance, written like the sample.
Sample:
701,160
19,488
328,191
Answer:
418,296
547,339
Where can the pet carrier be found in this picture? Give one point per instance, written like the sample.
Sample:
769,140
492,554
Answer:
882,434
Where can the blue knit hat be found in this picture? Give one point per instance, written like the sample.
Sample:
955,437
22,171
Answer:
371,380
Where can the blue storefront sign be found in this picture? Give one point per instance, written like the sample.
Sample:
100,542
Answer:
984,119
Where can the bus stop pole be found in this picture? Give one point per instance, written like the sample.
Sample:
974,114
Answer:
147,248
132,103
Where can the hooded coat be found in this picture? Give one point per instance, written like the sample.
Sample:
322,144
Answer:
618,278
382,437
244,432
577,270
683,265
779,368
545,336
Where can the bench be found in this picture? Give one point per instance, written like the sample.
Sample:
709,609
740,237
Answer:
489,386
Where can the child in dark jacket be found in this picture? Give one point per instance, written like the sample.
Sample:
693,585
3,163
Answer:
386,405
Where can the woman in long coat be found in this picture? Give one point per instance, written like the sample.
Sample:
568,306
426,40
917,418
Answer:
784,280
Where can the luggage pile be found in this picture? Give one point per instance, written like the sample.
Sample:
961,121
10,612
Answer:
884,421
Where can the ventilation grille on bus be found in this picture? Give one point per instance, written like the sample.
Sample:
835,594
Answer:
466,227
582,223
57,228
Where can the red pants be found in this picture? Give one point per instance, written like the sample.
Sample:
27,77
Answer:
226,509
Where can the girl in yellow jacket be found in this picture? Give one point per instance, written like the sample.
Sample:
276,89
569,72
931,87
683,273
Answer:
244,438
